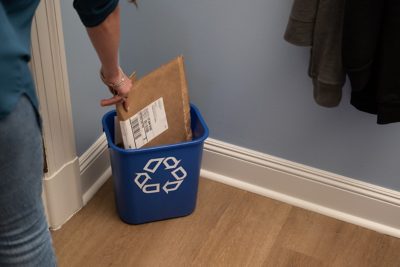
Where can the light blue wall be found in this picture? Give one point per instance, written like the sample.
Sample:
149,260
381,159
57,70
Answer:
250,85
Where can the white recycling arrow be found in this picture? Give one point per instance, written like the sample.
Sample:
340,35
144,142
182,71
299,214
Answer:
172,165
175,184
144,181
179,173
155,167
151,188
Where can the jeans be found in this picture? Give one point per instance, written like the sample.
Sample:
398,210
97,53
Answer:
24,235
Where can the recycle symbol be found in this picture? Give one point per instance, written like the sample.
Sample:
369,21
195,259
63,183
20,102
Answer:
170,164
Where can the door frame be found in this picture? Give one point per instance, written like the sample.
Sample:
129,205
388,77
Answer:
62,192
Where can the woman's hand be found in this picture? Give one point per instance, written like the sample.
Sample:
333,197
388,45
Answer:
119,85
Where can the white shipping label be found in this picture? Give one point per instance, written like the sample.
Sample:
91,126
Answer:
145,125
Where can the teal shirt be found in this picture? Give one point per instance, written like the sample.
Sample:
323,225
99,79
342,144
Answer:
15,39
15,31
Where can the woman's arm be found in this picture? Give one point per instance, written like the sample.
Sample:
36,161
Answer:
105,37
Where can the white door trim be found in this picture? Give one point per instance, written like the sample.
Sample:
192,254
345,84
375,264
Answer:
62,185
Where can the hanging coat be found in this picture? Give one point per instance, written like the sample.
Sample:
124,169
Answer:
318,24
371,56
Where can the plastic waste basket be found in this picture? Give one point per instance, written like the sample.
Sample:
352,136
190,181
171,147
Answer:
156,183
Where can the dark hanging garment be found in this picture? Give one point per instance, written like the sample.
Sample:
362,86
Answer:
371,56
318,24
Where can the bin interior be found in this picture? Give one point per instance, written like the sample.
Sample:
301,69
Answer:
199,128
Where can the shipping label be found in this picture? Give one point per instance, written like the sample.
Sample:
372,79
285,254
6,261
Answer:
145,125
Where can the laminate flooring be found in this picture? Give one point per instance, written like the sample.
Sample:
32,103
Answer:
230,227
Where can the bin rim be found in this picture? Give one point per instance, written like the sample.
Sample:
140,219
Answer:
111,144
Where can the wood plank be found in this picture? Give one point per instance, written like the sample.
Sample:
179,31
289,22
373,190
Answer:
230,227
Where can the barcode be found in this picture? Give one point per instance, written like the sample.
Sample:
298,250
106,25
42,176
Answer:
135,128
146,120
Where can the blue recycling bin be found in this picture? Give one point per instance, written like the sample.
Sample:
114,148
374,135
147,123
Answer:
156,183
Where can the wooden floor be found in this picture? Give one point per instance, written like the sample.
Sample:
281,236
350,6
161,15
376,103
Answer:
230,227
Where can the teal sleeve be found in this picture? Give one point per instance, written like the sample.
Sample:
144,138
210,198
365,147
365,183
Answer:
94,12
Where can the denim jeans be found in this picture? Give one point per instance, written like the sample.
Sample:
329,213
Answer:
24,235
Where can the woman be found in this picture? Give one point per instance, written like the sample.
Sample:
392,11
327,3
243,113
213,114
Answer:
24,236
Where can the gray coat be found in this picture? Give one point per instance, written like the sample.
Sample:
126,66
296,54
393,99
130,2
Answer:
318,23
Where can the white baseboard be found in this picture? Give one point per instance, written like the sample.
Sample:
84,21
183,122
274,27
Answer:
65,196
62,193
340,197
89,194
95,168
343,198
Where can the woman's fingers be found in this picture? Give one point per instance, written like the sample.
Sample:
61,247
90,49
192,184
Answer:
111,101
115,100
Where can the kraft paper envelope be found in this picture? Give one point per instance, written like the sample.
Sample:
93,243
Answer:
165,87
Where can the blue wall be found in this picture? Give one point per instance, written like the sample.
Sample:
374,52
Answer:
251,86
